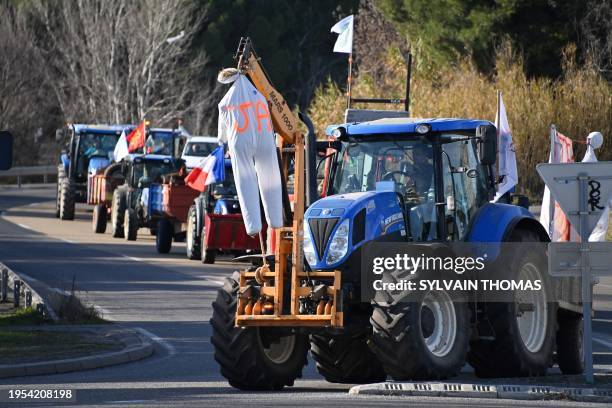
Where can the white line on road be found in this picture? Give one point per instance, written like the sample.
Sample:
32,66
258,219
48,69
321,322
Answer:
68,241
132,258
602,342
169,347
27,277
25,226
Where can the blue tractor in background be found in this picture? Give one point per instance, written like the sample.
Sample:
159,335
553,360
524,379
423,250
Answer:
89,148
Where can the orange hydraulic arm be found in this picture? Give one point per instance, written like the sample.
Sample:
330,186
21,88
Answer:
267,310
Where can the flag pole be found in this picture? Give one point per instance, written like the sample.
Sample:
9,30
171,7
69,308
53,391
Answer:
498,124
349,81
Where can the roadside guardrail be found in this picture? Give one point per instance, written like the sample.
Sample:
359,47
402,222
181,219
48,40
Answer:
20,172
23,296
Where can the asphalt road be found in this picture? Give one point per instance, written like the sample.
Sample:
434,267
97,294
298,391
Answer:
168,298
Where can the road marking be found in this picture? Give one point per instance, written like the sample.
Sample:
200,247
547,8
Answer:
27,277
33,204
132,258
61,291
602,342
169,347
68,241
25,226
126,402
102,311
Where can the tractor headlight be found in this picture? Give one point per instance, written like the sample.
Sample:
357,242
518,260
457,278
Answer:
308,247
338,246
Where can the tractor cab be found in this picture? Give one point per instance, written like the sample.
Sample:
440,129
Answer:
142,170
89,148
400,179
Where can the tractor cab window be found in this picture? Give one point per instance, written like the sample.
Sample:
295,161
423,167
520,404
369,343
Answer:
408,163
199,149
151,171
160,143
464,182
93,145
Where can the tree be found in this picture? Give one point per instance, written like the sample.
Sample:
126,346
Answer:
445,30
113,61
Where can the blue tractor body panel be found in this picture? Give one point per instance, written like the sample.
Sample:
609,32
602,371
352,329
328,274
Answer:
407,125
381,212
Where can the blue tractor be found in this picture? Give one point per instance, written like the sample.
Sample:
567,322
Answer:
89,148
390,179
426,181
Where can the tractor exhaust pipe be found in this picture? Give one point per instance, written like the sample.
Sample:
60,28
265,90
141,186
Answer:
310,164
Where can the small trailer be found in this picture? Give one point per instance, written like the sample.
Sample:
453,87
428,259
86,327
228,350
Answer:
100,187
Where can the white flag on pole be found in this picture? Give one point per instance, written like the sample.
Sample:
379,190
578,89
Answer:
121,148
344,28
507,156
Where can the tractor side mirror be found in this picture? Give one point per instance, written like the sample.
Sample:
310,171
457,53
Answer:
487,144
6,150
60,134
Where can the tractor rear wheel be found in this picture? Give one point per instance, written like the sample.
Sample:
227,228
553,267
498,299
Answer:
117,213
163,239
130,225
570,353
346,358
99,219
253,358
422,337
524,335
192,244
67,198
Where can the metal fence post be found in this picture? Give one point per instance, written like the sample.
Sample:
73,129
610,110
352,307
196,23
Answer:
18,181
45,178
16,293
4,285
28,298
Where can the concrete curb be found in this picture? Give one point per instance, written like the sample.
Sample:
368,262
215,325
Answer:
136,348
473,390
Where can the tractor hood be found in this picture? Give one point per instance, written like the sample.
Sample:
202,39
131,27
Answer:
335,226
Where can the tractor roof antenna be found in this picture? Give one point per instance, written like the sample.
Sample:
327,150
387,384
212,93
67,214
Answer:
395,101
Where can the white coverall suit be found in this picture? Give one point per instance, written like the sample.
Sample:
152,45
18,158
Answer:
246,125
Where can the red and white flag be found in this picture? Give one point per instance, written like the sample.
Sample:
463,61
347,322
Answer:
211,169
552,216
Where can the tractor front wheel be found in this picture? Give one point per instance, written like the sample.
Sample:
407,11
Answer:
130,225
253,358
100,218
192,244
117,213
67,200
163,239
346,358
208,255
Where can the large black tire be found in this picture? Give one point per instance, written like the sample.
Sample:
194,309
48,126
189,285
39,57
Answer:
570,353
67,200
117,213
130,225
208,255
58,198
253,358
346,358
99,219
192,240
163,239
507,355
402,328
